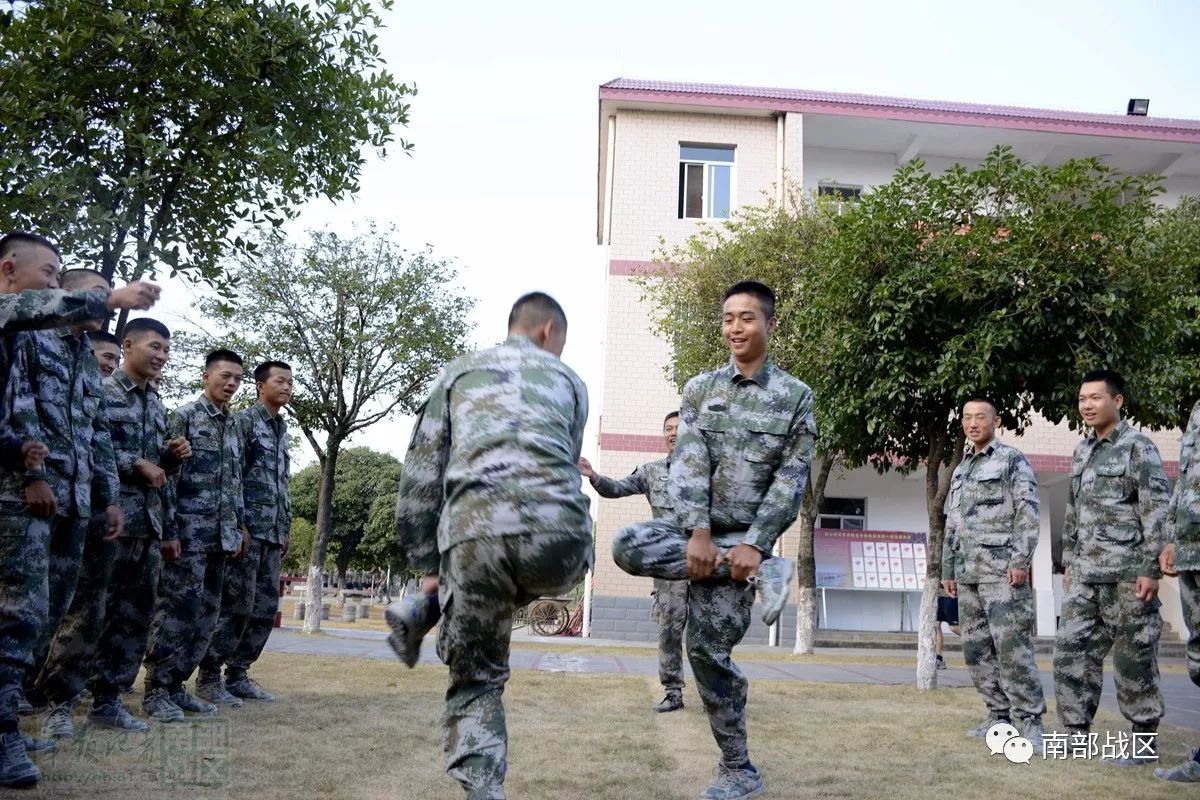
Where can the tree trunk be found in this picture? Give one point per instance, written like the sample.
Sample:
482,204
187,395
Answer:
316,569
937,486
806,564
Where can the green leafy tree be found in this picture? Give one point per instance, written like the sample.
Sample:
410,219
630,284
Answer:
300,551
779,243
365,326
365,478
163,133
1008,279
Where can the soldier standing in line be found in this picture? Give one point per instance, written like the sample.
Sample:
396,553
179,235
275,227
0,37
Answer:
81,469
670,597
1182,557
104,633
738,475
29,267
1112,538
206,528
252,582
992,526
489,507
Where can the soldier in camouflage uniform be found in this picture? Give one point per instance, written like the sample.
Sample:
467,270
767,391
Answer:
670,597
1182,557
104,633
107,350
206,528
490,508
81,469
738,475
992,528
29,266
1112,536
252,583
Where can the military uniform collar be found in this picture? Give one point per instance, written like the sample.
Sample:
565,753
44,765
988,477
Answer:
762,377
126,383
211,407
265,413
1114,435
969,449
520,340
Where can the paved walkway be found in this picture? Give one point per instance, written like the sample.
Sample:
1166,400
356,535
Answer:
1182,697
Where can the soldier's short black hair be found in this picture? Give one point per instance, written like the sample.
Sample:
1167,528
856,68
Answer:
759,291
9,240
534,309
71,278
983,398
221,355
670,417
96,337
263,370
142,325
1112,379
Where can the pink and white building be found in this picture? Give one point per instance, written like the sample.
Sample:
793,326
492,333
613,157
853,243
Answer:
674,155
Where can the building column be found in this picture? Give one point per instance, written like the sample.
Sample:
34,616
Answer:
1043,571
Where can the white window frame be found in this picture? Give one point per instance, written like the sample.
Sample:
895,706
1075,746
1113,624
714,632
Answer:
835,186
708,164
862,517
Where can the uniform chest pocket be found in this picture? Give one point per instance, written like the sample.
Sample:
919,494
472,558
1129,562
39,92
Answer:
206,452
1111,482
765,440
989,485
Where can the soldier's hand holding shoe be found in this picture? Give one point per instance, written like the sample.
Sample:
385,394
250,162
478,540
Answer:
744,561
702,555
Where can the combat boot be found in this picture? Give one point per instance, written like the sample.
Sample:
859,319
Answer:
158,705
981,730
410,618
57,722
673,701
1187,772
1138,756
213,690
16,770
734,784
1033,730
247,688
774,581
116,715
190,703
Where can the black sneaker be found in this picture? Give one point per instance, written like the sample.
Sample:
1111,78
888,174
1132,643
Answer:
941,663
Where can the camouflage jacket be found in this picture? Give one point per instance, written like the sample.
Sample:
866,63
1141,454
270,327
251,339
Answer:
265,473
207,490
991,515
517,414
1183,516
742,458
69,416
1116,508
138,422
651,479
31,310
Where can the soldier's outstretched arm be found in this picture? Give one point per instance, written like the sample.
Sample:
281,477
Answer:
691,465
626,487
1154,498
419,495
781,503
1026,514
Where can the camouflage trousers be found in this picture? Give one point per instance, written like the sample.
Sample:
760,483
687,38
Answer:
482,584
997,639
1095,618
67,536
1189,595
129,601
670,612
24,601
72,649
185,616
248,608
718,616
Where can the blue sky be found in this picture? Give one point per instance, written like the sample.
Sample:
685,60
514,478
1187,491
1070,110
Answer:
503,175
